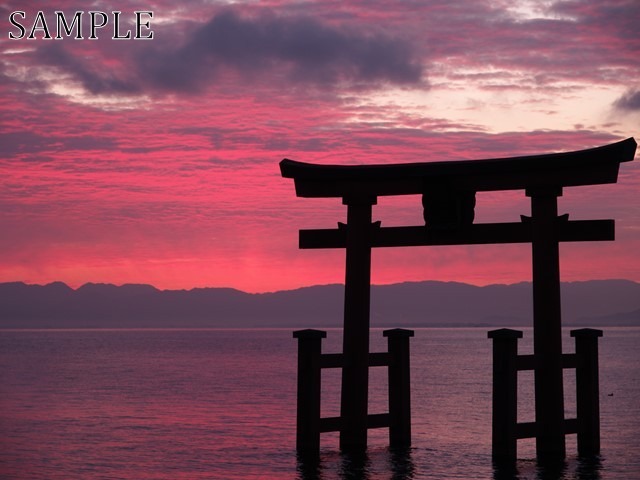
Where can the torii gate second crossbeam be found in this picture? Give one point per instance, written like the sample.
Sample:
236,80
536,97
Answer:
448,192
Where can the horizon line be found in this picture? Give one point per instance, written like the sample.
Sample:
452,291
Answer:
188,289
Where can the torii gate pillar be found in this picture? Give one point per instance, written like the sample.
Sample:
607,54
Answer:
547,322
355,373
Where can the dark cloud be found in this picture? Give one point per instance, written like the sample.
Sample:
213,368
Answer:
96,79
616,18
583,41
630,101
299,50
264,47
309,46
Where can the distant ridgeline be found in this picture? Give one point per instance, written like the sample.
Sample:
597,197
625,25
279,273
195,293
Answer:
591,303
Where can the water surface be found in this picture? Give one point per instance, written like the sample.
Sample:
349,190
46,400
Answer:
220,404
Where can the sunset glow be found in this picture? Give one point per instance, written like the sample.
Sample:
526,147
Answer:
156,161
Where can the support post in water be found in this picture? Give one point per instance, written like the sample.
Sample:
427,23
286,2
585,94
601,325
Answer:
309,388
587,390
399,387
505,393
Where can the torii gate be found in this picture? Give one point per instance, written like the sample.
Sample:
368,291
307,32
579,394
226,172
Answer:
448,196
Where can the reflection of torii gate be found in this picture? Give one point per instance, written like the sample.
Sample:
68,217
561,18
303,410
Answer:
448,196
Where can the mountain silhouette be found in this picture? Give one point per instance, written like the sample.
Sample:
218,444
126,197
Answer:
411,304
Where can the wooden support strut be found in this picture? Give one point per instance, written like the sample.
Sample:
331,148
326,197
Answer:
399,387
588,390
309,387
505,393
506,363
310,362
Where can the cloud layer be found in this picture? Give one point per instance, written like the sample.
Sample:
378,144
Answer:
629,101
257,49
156,161
294,49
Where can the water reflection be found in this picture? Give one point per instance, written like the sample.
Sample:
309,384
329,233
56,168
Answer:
355,466
350,466
309,467
407,464
551,469
587,468
401,463
505,470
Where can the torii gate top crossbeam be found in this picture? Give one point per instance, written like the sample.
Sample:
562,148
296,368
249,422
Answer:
584,167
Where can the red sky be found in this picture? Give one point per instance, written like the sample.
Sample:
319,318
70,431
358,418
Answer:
156,161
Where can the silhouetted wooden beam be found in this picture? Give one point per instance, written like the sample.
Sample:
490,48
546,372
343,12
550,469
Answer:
528,429
583,167
374,420
477,234
330,424
336,360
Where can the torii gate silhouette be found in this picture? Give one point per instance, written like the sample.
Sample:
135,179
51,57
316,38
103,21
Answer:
448,192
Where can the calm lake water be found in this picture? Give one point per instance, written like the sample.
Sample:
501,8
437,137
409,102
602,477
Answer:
220,404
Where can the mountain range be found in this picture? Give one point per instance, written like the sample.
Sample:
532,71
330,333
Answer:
410,304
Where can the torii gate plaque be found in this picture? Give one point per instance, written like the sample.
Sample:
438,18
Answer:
448,196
